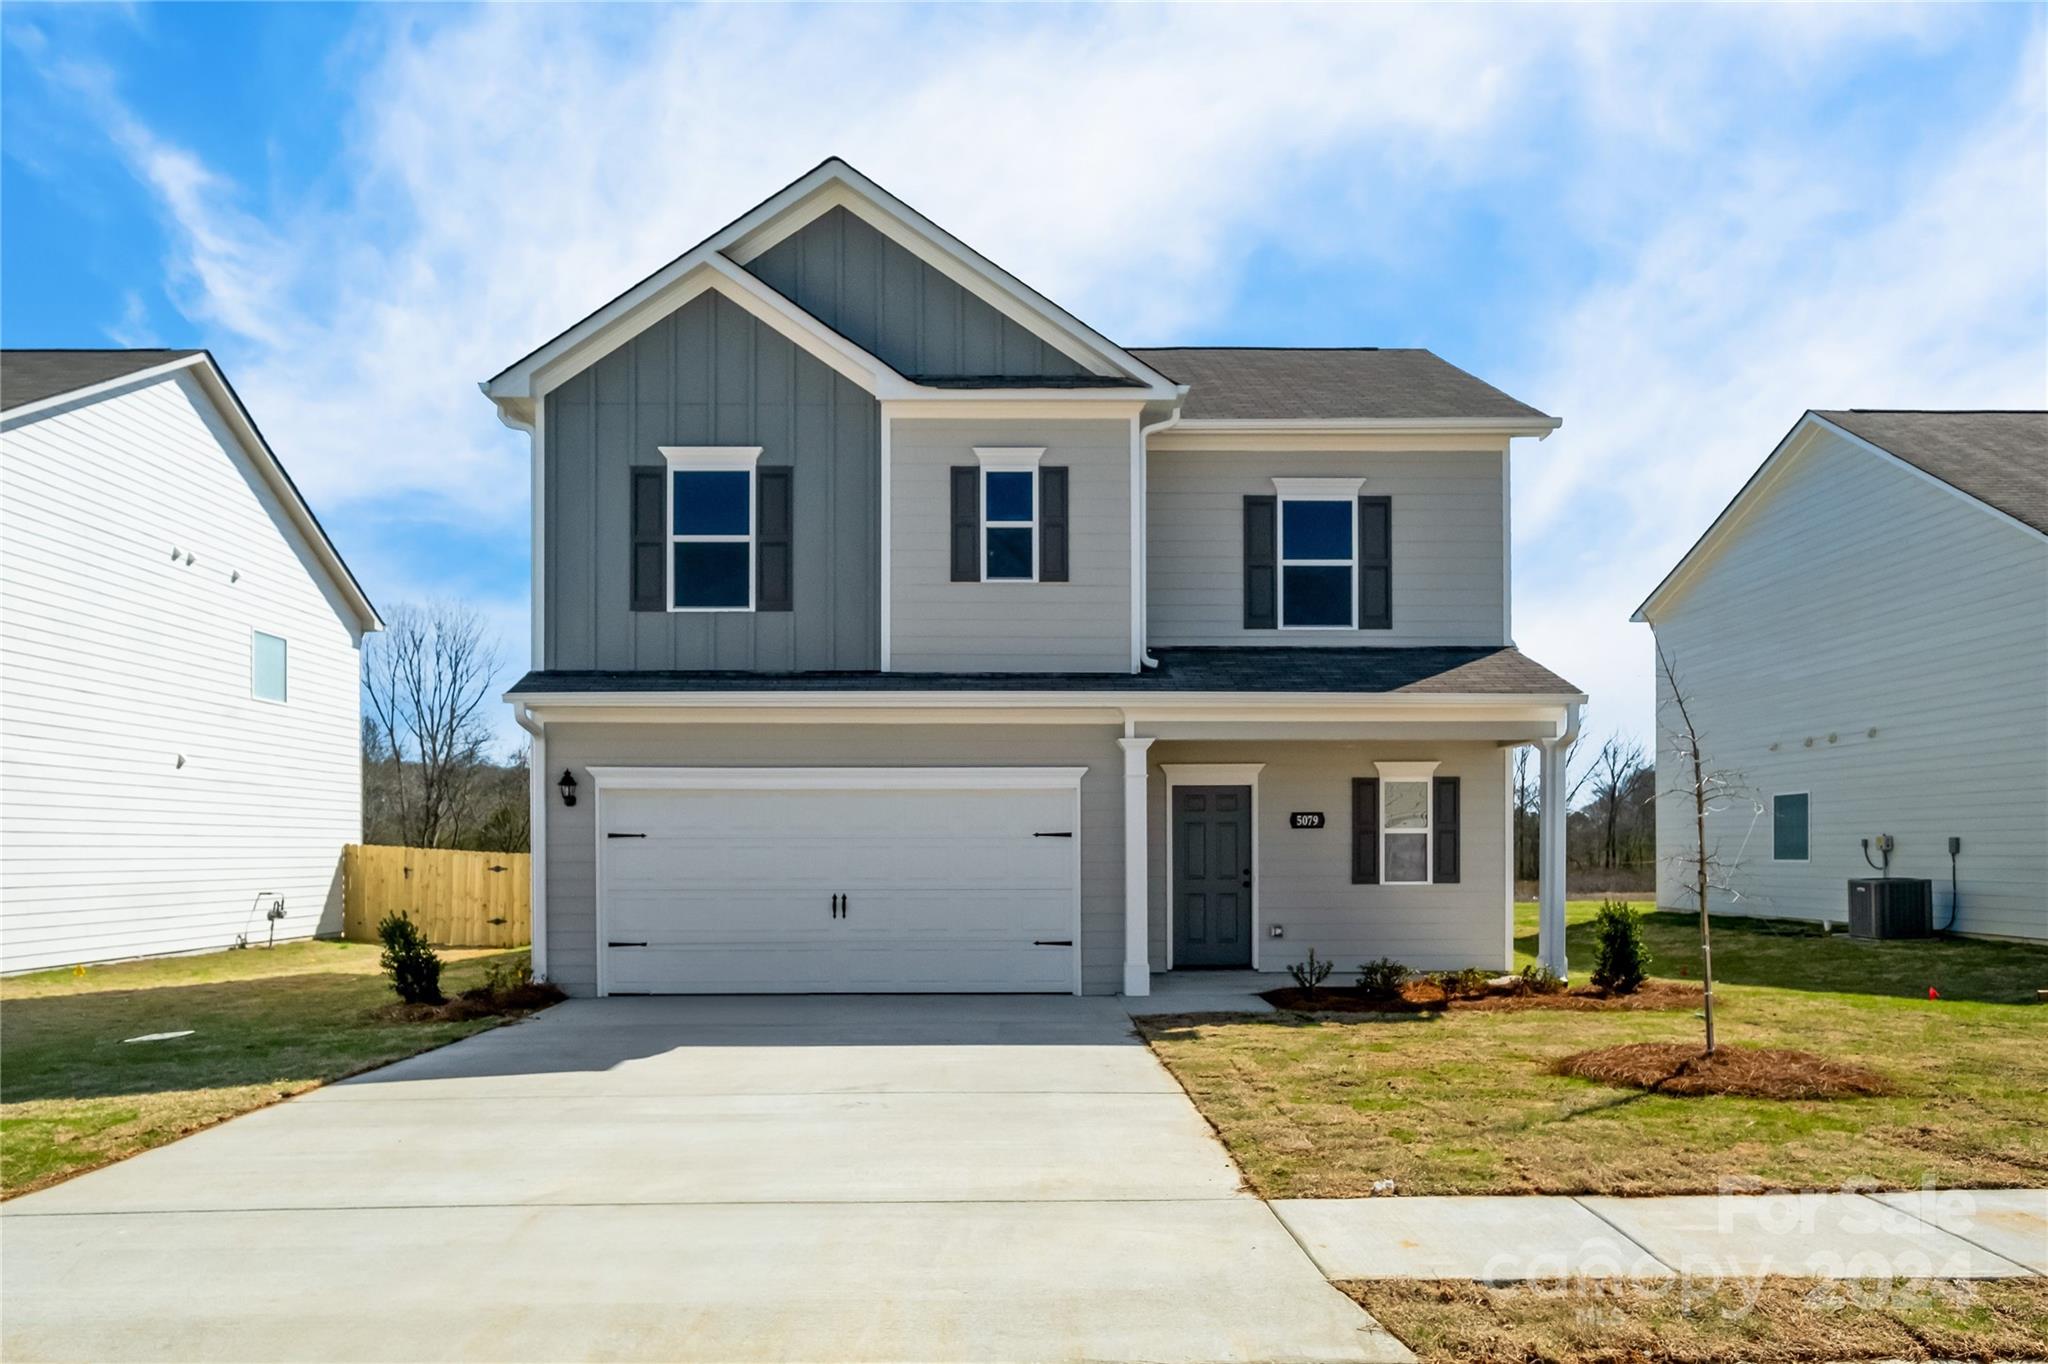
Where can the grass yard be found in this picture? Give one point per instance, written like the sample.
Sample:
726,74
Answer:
266,1024
1463,1102
1763,1321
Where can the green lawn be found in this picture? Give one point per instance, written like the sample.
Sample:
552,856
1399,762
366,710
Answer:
1464,1103
266,1024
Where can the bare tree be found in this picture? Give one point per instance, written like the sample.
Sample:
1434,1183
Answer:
426,680
1705,790
1613,771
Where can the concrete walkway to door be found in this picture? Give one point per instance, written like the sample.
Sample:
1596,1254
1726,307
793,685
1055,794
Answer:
860,1178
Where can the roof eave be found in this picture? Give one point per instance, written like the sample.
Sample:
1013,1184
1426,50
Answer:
1538,426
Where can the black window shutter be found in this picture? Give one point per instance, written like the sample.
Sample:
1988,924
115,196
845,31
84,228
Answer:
1446,830
1375,563
1052,524
650,538
1365,831
773,540
966,523
1261,563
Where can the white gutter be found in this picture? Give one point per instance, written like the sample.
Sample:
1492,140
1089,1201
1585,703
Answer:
1234,701
1142,519
537,839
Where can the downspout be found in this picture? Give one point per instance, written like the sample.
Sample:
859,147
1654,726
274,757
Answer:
537,840
1144,518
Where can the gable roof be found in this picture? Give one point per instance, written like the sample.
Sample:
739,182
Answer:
1263,384
50,378
1994,460
829,185
1999,458
32,376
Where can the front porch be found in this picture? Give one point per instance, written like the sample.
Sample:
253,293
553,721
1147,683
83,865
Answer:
1249,844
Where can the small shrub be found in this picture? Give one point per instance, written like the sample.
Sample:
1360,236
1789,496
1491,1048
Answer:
1310,974
1620,960
503,977
413,965
1537,979
1461,984
1381,979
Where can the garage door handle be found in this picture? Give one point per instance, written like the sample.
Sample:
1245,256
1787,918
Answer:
1052,942
625,944
625,835
1068,834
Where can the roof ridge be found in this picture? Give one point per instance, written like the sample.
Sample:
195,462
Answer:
1139,350
1940,411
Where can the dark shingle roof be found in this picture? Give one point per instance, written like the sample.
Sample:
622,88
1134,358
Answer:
1248,383
28,376
1999,458
1439,672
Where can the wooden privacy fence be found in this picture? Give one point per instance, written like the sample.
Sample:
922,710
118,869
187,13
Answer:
460,899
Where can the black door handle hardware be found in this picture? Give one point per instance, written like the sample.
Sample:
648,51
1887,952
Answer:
844,901
625,835
625,944
1052,942
1068,834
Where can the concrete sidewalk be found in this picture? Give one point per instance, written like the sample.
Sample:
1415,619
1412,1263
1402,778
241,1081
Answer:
1948,1234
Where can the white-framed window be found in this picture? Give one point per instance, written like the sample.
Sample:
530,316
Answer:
1791,814
1406,832
1010,532
711,501
1318,553
269,660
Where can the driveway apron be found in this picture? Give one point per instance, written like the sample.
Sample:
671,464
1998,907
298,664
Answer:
814,1178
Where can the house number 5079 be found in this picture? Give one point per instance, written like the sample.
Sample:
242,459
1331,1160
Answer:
1306,819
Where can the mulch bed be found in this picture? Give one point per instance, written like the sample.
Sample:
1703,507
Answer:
478,1003
1753,1072
1424,996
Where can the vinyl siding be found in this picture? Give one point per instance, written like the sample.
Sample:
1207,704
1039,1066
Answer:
1303,876
1449,517
1859,597
712,374
904,312
1082,625
115,659
572,833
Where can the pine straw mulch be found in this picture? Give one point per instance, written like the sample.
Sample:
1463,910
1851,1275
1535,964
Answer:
1428,996
482,1002
1752,1072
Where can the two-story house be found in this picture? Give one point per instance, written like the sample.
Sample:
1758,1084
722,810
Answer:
897,631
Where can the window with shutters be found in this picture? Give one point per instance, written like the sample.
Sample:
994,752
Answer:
1318,551
711,501
1010,506
1406,828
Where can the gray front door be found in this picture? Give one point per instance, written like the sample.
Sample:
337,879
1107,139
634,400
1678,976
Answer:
1212,876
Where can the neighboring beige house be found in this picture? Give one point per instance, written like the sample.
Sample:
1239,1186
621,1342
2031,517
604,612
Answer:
1862,635
895,630
180,752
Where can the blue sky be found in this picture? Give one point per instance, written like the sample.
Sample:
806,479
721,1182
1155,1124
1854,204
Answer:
1676,228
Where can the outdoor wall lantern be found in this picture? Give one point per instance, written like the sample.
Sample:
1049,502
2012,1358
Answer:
568,785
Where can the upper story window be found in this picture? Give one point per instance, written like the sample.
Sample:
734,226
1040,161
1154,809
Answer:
1789,827
1009,513
267,667
711,501
1318,553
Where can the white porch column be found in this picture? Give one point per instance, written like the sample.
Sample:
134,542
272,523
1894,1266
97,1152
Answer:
1137,906
1550,865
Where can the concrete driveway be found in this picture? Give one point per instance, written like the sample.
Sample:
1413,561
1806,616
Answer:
904,1179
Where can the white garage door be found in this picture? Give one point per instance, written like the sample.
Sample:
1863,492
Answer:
747,881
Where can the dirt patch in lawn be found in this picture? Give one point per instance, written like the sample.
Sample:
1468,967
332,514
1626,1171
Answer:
1767,1321
1752,1072
1428,996
470,1005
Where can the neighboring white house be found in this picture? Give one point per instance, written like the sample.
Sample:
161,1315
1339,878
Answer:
1862,635
179,680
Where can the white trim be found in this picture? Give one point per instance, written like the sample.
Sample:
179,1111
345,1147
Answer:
886,619
1409,774
1256,443
1213,774
1507,555
1776,796
1021,460
710,459
1137,963
1783,457
1539,427
1010,458
538,813
610,778
1248,706
536,444
1507,801
253,694
1062,404
1342,491
92,392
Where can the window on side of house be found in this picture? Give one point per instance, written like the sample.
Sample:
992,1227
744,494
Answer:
1789,827
1318,553
268,667
1010,504
711,499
